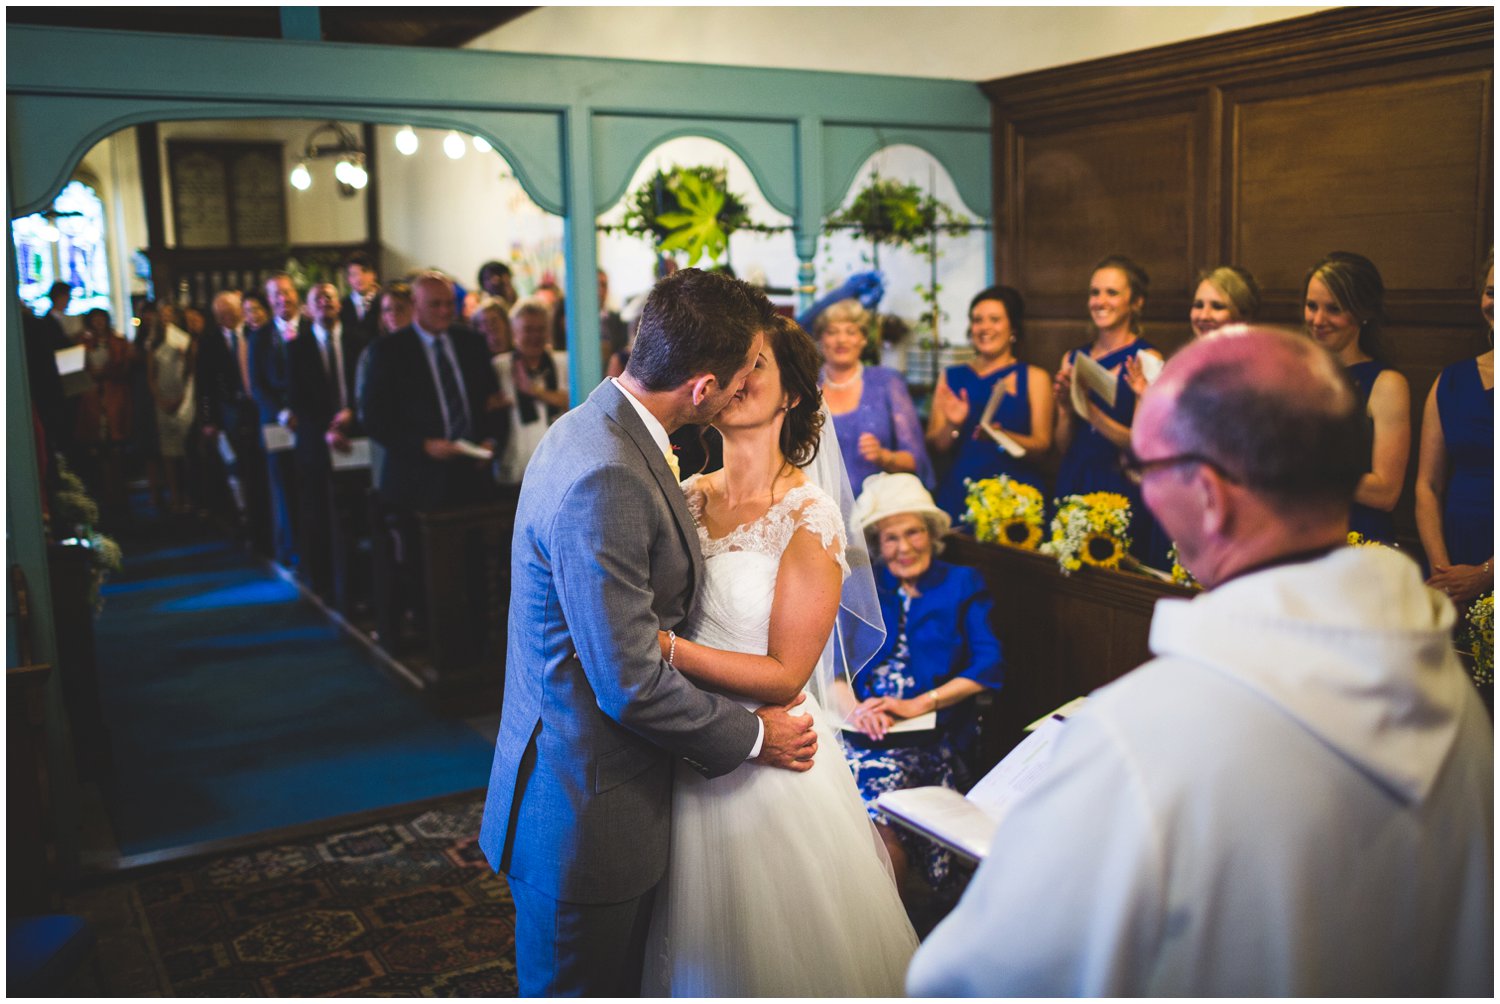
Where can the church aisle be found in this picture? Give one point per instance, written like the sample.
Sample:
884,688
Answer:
235,707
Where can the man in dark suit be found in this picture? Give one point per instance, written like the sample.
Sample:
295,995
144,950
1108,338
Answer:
268,385
320,395
227,408
361,310
430,386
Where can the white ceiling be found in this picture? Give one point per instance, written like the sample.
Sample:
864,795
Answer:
963,43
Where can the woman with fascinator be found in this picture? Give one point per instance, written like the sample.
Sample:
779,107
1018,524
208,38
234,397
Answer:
777,883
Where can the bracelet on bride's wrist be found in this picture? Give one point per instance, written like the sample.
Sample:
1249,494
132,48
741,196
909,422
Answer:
671,647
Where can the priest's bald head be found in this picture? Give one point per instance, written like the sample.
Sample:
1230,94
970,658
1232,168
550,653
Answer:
1248,449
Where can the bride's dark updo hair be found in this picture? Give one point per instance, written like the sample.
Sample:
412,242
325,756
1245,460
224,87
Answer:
800,362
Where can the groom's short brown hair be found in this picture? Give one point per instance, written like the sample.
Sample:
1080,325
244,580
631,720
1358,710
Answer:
697,322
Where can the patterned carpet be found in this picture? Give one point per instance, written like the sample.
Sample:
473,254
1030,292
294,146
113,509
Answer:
407,907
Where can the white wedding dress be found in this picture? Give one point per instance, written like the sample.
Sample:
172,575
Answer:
777,884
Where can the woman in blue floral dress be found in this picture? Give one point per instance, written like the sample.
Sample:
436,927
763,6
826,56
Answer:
939,653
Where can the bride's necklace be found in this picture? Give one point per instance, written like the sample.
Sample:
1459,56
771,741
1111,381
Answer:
859,372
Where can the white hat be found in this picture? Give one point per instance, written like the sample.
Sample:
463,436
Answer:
893,494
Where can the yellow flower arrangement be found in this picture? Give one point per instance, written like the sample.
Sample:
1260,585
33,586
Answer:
1180,575
1003,510
1480,633
1092,529
1357,539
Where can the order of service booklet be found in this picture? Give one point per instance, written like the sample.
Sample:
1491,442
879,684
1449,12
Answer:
966,823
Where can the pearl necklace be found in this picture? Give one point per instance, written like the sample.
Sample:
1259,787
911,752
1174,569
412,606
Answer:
859,372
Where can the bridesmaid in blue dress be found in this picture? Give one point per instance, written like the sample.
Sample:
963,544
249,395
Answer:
1455,490
996,321
1342,311
878,428
1091,446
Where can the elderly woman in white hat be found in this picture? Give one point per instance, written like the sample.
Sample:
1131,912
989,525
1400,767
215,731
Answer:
914,709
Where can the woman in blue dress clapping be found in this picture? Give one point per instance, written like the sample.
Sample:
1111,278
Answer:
1342,310
1456,471
1023,413
1091,444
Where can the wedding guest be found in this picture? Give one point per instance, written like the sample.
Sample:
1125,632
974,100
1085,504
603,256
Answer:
104,409
490,319
1295,798
1225,295
361,310
495,281
1342,309
143,437
551,296
1024,413
321,364
873,414
535,379
1091,445
172,362
612,331
227,409
257,314
1455,491
939,653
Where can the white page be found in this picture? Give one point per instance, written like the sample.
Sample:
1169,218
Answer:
474,450
1018,773
943,814
70,360
357,458
920,723
1093,377
278,438
1151,365
994,432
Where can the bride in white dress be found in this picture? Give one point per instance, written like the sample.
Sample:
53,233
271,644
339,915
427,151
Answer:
777,884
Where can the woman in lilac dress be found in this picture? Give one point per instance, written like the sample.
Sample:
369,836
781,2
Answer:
877,424
1023,413
1456,472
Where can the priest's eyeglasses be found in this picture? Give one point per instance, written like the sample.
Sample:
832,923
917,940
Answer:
1135,469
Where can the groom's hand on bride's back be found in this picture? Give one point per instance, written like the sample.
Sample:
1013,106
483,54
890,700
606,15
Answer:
790,740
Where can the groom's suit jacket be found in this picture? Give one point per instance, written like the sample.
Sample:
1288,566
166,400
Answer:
605,553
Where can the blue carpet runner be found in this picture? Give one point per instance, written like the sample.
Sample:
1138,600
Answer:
235,707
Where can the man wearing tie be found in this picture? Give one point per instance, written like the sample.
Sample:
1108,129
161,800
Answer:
268,385
430,395
362,308
227,408
320,364
431,386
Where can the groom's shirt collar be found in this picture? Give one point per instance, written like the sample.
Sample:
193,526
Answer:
656,429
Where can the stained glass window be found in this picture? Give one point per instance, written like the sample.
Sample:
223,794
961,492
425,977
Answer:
64,244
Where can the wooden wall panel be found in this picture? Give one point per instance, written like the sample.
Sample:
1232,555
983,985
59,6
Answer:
1389,169
1100,188
1361,129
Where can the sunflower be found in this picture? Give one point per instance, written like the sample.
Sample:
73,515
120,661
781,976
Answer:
1090,529
1023,533
1005,511
1101,550
1180,575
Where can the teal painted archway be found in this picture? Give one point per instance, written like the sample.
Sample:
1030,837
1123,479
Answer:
572,129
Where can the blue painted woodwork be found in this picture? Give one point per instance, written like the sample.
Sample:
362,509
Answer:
573,130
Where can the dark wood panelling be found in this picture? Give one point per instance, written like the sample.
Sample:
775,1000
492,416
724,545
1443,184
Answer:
1390,169
1360,129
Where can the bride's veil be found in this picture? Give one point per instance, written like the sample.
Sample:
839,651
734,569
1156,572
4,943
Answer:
859,630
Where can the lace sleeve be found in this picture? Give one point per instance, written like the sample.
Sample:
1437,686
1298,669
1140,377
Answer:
820,516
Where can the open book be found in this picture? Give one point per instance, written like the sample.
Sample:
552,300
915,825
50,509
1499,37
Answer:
965,824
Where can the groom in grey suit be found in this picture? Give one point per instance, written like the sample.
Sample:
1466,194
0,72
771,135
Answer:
605,553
